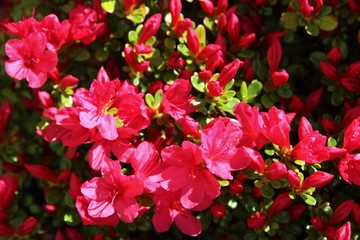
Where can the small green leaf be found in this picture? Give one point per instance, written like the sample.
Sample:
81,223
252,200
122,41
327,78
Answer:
308,199
243,93
266,101
254,89
108,5
133,37
328,22
53,195
331,142
267,191
283,217
224,183
312,29
317,57
170,43
229,93
325,10
197,83
149,99
158,98
337,98
183,49
200,30
290,20
79,54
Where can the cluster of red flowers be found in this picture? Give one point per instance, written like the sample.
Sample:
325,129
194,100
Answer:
168,150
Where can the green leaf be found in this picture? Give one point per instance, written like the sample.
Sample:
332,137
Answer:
266,101
243,93
283,217
53,195
108,5
325,10
149,99
254,89
133,37
197,83
183,49
337,98
331,142
102,54
290,20
170,43
224,183
79,54
267,191
312,29
200,30
328,22
158,98
308,199
317,57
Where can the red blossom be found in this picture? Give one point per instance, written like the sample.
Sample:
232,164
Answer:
114,193
349,168
256,221
84,24
30,59
169,209
150,27
281,202
317,180
186,173
219,147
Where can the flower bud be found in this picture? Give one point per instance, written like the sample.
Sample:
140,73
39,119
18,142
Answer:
256,221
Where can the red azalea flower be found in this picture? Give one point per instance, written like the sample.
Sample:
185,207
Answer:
147,166
220,142
83,24
114,193
30,59
187,173
169,209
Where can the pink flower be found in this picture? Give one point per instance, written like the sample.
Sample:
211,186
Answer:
187,173
220,141
311,147
352,136
83,24
66,127
349,168
147,166
114,108
276,126
114,193
30,59
251,123
82,204
102,150
177,99
56,33
169,209
23,28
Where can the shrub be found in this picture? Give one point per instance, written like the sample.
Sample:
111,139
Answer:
169,119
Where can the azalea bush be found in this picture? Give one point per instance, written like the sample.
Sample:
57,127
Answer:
215,119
